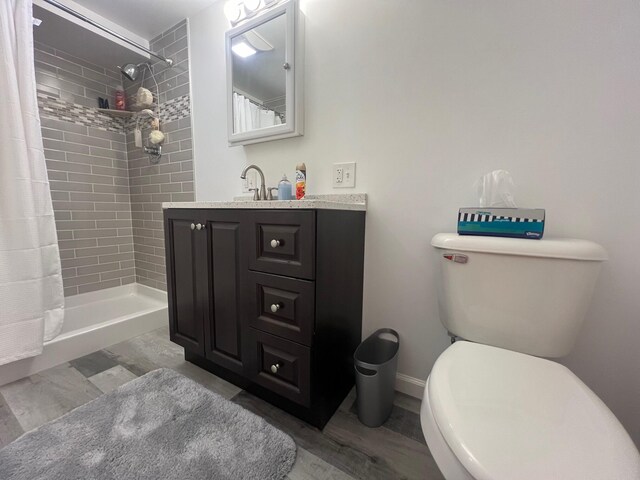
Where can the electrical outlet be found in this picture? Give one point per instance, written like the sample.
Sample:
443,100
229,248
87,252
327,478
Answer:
249,182
344,175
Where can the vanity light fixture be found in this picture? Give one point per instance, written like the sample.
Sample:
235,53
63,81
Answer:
239,10
243,50
233,11
252,5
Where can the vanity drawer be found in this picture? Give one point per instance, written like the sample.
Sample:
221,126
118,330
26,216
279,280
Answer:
283,242
281,306
282,366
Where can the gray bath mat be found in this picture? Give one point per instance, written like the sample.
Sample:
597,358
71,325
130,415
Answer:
159,426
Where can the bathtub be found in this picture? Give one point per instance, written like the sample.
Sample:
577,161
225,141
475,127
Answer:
93,321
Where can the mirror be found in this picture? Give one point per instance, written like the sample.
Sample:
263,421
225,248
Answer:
259,78
264,77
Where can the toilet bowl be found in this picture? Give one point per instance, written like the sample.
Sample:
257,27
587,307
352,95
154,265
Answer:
490,413
493,408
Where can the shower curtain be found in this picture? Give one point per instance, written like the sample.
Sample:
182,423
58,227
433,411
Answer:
248,116
31,294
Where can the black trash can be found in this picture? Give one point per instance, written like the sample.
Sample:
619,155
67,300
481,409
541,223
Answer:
376,362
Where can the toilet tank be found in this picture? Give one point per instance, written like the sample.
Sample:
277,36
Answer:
529,296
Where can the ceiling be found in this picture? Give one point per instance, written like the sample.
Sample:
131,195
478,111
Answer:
147,18
80,42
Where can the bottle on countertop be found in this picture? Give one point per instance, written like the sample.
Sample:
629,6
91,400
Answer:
121,103
284,189
301,181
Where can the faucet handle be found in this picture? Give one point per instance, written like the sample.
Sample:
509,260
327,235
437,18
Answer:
256,195
269,194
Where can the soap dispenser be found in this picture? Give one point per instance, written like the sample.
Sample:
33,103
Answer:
284,189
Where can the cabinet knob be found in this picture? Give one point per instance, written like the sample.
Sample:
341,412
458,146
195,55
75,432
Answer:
199,226
286,66
193,226
275,307
275,367
275,243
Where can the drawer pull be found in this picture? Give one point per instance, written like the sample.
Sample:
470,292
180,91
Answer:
275,307
275,367
199,226
275,243
193,226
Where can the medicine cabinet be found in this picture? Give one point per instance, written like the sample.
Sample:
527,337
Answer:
265,67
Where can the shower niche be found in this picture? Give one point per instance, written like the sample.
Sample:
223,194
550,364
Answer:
265,69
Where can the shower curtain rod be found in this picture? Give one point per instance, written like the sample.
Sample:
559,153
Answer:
70,11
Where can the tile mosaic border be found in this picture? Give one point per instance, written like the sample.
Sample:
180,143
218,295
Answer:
170,111
52,107
58,109
175,109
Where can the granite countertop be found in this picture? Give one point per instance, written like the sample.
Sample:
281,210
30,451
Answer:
354,201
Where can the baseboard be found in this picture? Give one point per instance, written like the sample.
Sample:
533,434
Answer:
414,387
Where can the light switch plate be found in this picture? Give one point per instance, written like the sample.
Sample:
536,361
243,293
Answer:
344,175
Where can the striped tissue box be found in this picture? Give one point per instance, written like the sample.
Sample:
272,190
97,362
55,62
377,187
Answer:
502,222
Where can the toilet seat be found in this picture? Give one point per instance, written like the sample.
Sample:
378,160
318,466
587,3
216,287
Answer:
507,415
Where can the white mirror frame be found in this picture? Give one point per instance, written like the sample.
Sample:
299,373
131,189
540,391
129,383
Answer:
294,56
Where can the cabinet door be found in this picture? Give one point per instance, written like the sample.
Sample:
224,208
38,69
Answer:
183,244
223,325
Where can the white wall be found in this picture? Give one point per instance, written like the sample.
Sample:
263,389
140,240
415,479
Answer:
428,95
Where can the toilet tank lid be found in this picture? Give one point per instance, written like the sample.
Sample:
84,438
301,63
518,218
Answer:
566,248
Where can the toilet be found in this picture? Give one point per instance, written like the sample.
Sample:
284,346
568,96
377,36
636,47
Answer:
494,406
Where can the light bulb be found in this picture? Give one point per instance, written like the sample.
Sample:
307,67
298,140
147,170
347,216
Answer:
252,5
232,10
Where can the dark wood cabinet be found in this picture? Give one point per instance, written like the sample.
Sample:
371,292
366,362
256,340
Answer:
270,300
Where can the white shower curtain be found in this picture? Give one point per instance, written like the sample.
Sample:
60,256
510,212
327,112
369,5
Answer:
31,294
248,116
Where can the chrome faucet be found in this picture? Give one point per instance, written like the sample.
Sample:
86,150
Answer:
262,193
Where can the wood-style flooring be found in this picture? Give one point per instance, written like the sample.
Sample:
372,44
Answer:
344,450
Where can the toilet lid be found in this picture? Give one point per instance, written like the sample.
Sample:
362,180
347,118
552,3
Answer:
507,415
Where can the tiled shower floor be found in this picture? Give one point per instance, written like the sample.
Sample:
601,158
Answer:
344,450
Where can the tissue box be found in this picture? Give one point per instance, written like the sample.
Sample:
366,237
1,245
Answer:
502,222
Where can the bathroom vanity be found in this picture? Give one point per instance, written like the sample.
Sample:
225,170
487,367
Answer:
268,295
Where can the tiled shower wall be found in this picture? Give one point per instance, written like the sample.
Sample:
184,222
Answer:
99,179
87,165
172,178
